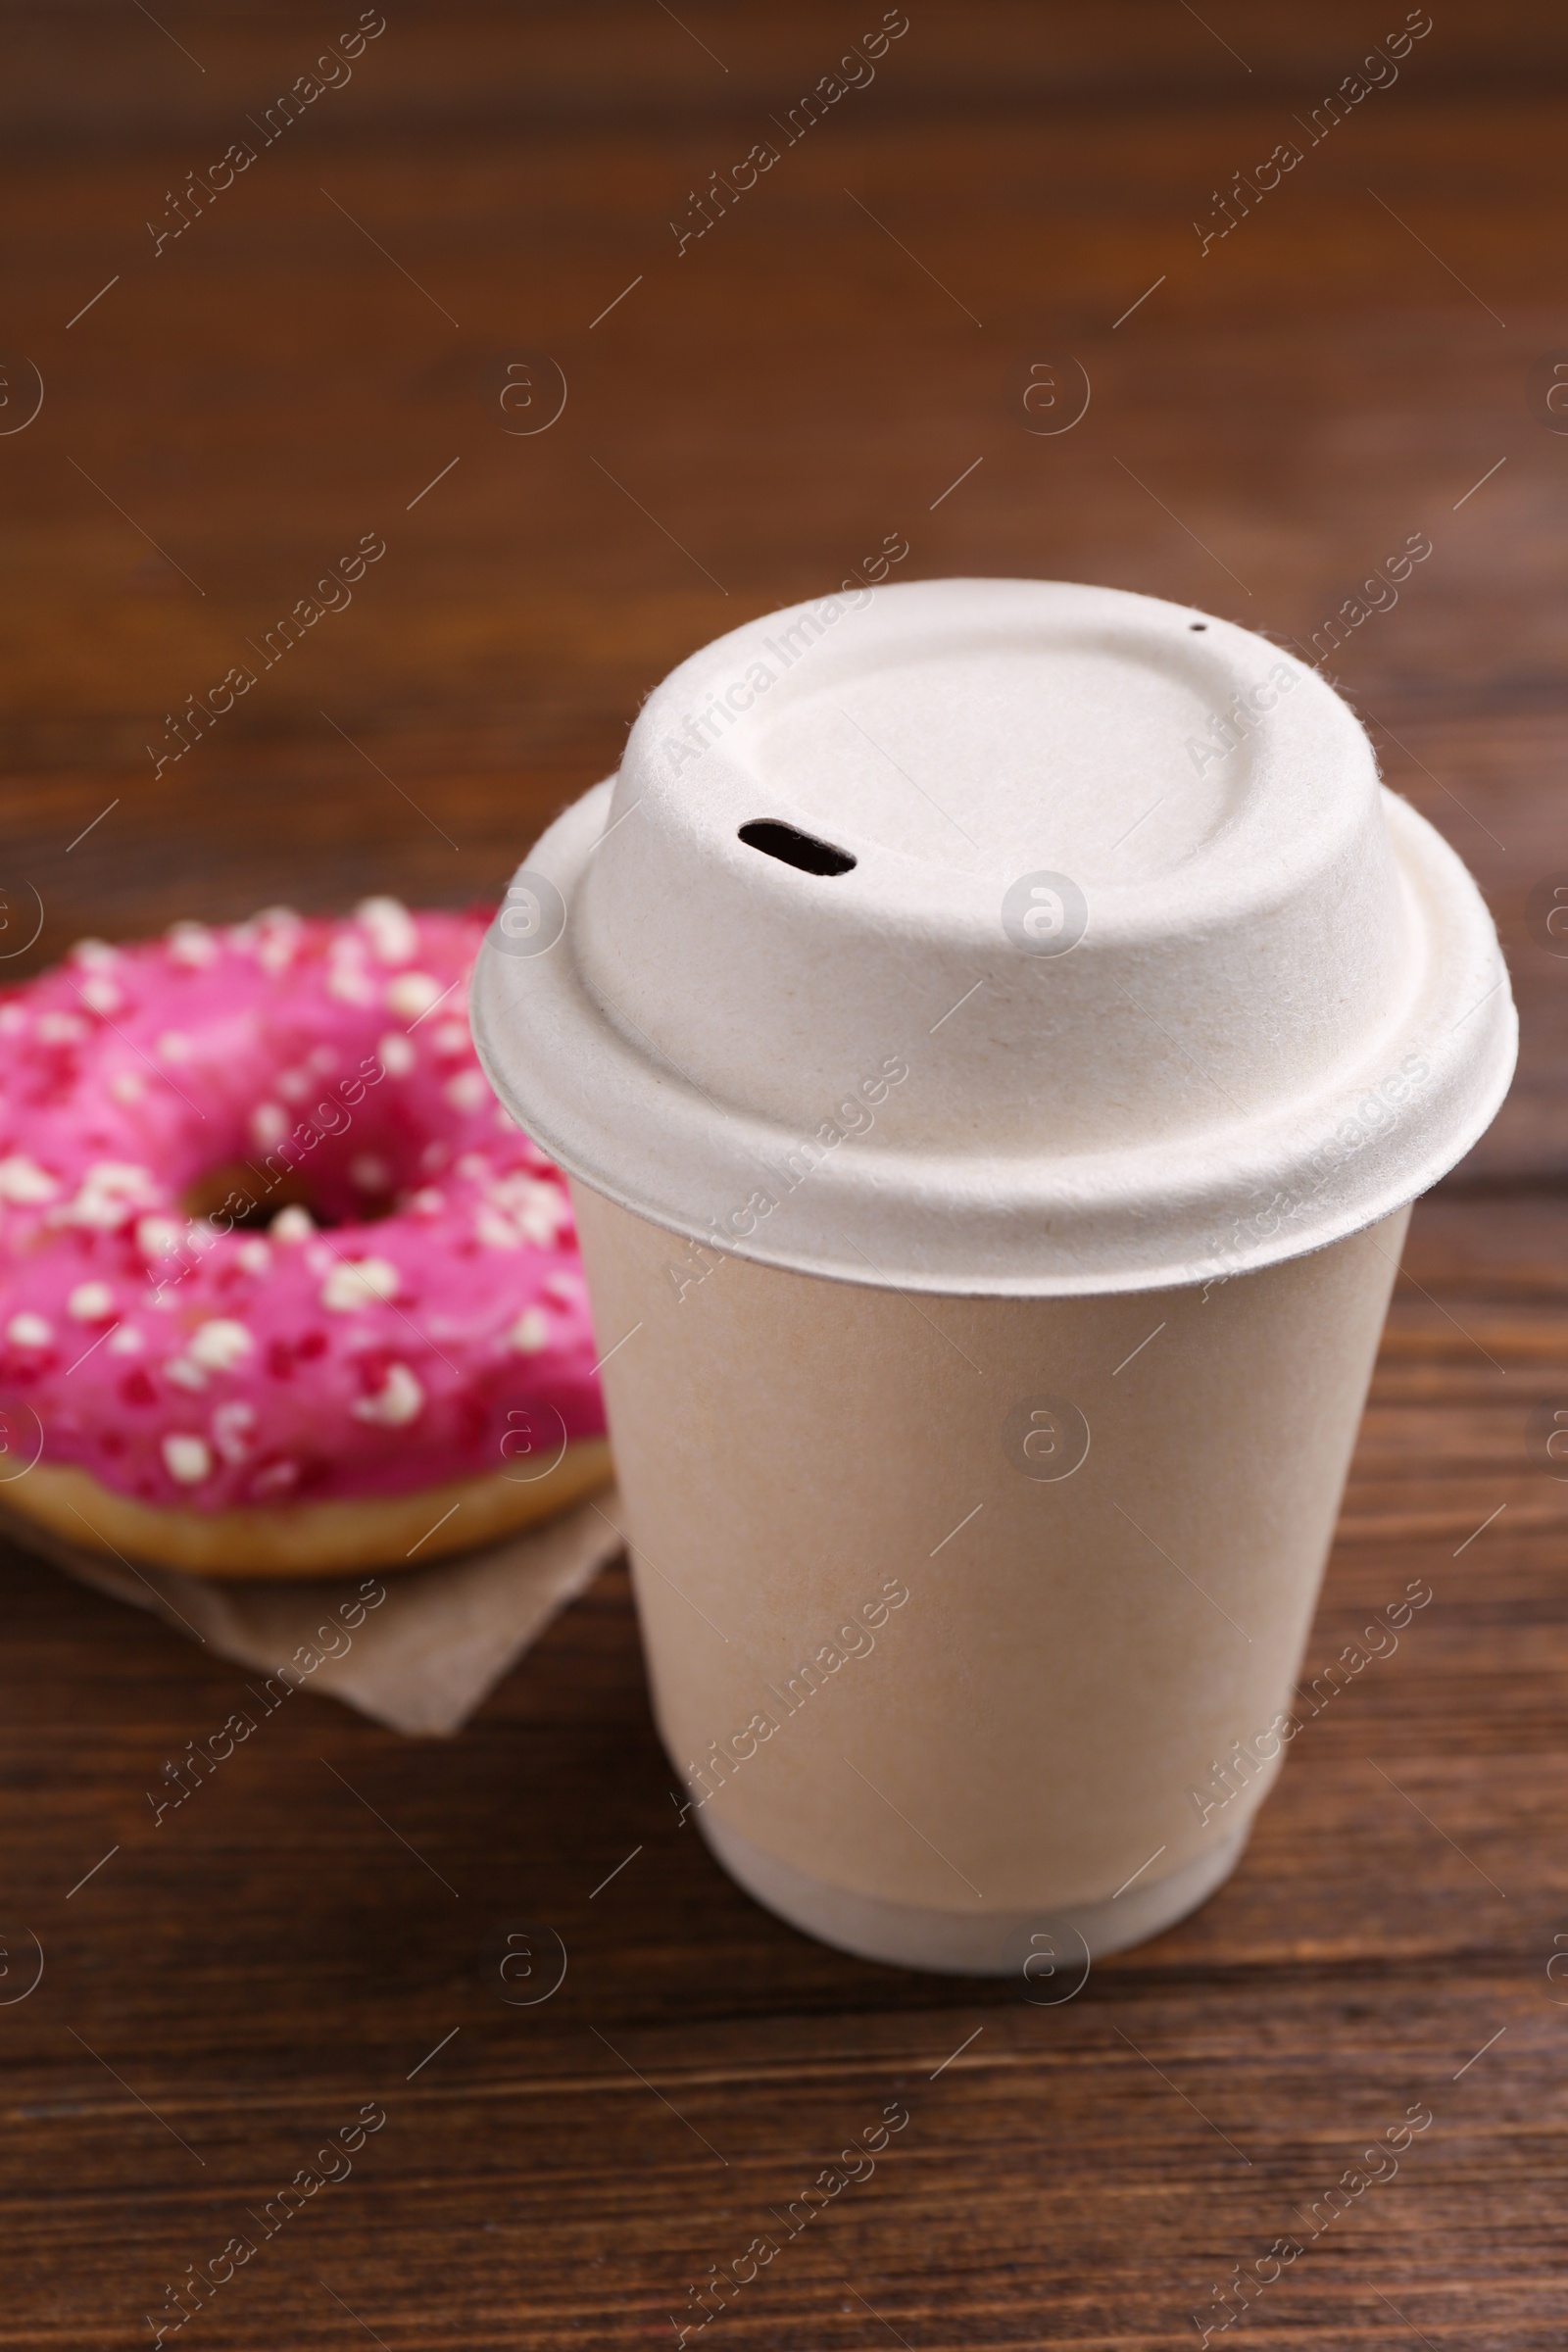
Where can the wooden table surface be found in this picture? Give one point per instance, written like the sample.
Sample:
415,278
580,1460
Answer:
323,352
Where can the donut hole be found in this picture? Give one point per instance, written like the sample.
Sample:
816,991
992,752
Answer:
229,1191
364,1172
244,1199
319,1142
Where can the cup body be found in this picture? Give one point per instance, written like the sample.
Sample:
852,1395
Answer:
972,1623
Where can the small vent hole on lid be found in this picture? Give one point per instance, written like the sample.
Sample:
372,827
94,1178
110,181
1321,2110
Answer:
803,851
1198,624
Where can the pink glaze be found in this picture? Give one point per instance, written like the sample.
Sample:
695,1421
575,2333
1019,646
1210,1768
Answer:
191,1363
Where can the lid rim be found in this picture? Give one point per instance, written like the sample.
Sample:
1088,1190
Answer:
649,1099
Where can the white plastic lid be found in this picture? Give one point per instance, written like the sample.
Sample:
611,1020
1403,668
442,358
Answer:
1001,937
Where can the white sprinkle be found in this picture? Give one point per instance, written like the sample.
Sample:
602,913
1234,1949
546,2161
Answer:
394,935
128,1086
531,1331
101,995
29,1331
174,1046
220,1344
350,983
253,1254
232,1424
192,944
322,1059
279,938
126,1176
539,1208
110,1191
101,1211
396,1403
126,1341
505,1119
13,1019
268,1124
472,1164
276,1479
293,1085
91,1303
564,1286
370,1174
22,1180
292,1224
468,1091
434,1155
451,1036
187,1459
359,1282
396,1055
61,1028
156,1237
95,953
428,1202
496,1231
411,994
184,1374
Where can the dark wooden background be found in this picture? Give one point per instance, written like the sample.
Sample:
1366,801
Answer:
754,414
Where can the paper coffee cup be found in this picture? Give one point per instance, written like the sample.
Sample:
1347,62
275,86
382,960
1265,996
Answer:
995,1030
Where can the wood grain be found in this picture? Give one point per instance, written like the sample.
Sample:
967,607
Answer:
753,414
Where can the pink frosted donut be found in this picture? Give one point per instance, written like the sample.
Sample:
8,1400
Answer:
280,1281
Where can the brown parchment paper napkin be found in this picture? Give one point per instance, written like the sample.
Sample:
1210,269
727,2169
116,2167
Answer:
419,1660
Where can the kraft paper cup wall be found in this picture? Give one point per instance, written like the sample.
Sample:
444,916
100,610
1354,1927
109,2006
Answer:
995,1030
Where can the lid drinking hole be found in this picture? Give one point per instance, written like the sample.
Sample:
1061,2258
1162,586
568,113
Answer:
791,848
